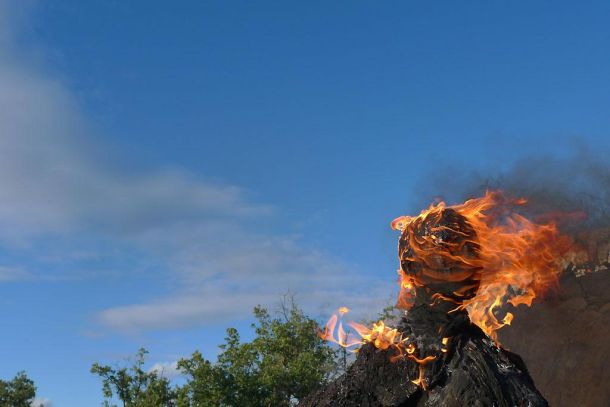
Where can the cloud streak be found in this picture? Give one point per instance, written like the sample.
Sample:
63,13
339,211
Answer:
168,370
13,274
41,402
59,183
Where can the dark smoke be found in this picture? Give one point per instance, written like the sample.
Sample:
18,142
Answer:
578,185
562,337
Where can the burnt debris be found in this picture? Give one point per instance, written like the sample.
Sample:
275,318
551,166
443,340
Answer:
439,357
468,370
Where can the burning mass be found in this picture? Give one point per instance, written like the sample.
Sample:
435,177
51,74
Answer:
461,269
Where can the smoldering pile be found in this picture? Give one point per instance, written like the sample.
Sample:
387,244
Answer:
456,263
473,371
562,338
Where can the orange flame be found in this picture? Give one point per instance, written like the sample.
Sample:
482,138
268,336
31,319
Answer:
379,335
421,379
518,259
406,296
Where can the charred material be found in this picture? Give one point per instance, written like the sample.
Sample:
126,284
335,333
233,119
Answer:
469,370
440,358
452,240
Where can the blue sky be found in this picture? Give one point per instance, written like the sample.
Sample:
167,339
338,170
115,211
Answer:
163,168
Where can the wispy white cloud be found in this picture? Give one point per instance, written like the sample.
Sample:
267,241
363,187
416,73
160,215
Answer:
13,274
218,303
41,402
59,181
55,180
168,370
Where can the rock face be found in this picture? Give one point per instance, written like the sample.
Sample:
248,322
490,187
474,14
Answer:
565,341
468,370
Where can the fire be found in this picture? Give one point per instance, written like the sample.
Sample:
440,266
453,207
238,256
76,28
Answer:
381,336
479,255
515,259
421,379
343,310
334,326
407,291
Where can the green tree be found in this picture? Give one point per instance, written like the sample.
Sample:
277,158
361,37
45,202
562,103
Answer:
135,387
283,363
18,392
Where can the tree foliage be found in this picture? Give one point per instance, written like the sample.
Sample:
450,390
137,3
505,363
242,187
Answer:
134,386
283,363
18,392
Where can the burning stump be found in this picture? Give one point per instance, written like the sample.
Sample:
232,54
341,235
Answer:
468,370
